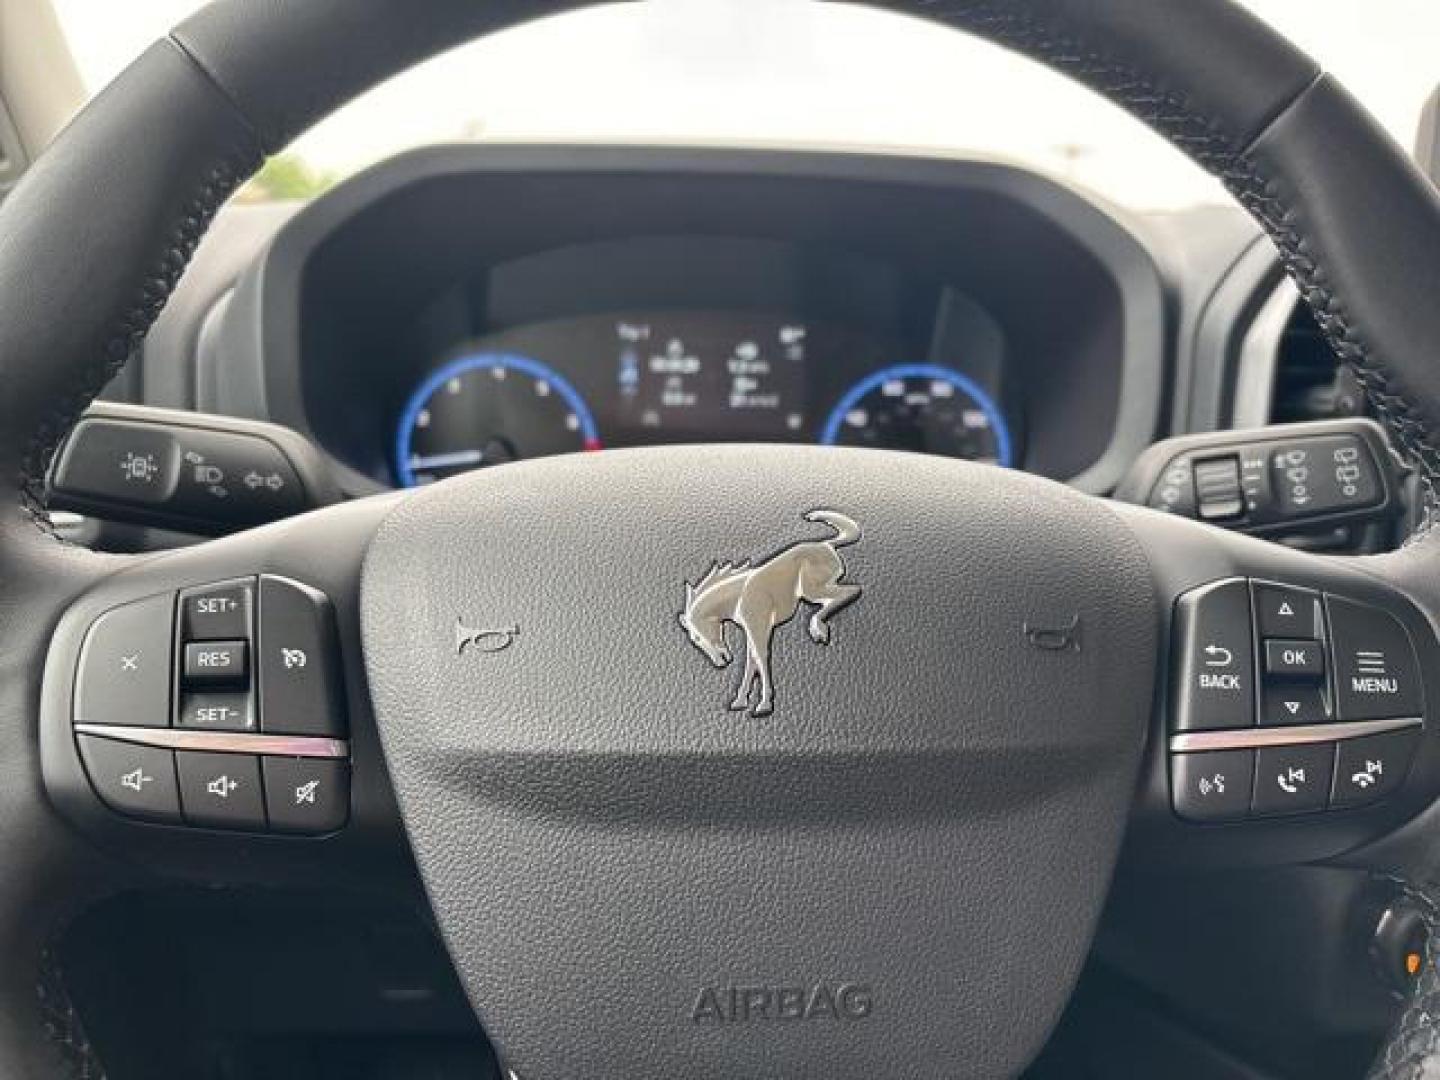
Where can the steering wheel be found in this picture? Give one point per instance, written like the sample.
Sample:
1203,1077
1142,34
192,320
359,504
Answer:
888,857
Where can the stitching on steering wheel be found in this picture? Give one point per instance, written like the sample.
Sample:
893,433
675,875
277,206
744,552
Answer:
219,183
63,1026
1205,140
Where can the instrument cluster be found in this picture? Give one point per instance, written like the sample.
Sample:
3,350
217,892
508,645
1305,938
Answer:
636,378
464,307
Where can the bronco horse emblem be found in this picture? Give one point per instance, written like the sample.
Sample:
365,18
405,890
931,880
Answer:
757,599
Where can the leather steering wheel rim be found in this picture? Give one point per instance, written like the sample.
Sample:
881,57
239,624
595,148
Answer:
97,234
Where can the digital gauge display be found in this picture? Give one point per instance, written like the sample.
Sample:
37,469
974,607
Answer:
645,378
685,378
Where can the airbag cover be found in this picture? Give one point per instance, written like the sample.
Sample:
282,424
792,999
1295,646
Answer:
896,873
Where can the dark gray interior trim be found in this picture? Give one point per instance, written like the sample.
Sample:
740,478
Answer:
1259,359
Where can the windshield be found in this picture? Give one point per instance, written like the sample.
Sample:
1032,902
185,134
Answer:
791,73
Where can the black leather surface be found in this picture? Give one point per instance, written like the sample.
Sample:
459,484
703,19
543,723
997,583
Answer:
94,237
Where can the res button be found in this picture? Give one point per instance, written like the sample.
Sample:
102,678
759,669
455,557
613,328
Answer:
215,663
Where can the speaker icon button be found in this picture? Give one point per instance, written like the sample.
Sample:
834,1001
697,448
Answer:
138,781
221,791
306,795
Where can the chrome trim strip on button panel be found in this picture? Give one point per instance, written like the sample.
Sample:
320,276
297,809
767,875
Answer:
1298,735
228,742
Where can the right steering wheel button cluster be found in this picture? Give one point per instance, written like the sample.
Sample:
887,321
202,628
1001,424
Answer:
219,707
1288,700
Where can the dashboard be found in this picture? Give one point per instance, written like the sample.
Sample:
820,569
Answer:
632,297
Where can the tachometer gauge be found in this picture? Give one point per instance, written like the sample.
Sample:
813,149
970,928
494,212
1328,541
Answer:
487,409
921,407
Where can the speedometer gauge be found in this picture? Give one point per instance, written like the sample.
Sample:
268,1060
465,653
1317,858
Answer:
921,407
487,409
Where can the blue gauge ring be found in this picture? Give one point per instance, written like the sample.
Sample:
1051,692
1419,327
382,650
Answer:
484,361
1004,449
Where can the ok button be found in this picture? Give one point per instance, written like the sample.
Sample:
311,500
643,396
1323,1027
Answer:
1294,658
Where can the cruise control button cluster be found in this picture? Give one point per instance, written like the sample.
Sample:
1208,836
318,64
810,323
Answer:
217,707
1251,654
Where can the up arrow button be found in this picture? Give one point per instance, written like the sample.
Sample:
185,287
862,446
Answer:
1282,611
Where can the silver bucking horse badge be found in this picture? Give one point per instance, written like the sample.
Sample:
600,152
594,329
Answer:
757,599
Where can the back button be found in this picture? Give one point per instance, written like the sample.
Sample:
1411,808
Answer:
1215,664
